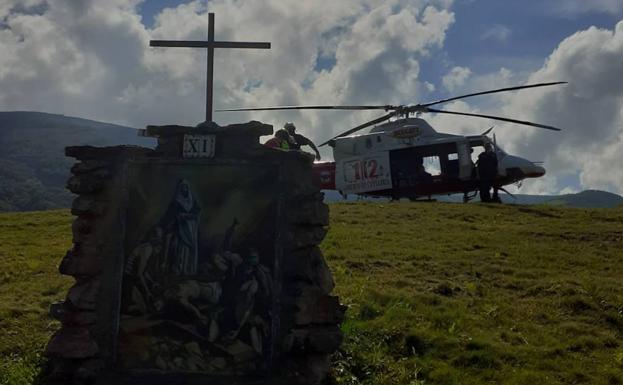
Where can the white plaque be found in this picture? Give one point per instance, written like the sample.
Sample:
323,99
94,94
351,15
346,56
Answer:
365,173
198,146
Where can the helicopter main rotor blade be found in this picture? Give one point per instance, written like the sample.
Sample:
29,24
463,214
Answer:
526,123
362,126
387,107
490,92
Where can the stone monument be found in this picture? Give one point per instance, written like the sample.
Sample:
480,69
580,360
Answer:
196,262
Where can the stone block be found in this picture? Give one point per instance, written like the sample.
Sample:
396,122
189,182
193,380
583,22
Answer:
82,225
316,339
301,294
58,371
300,237
106,153
308,212
88,166
72,342
80,264
83,295
308,265
323,310
309,370
88,370
88,205
87,249
85,184
79,318
70,315
86,240
57,309
303,189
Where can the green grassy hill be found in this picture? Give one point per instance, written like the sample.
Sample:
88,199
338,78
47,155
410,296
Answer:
438,293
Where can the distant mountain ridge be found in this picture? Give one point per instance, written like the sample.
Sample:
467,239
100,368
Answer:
586,199
33,166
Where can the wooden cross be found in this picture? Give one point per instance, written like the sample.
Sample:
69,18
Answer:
210,44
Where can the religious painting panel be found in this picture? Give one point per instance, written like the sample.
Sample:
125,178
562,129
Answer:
197,294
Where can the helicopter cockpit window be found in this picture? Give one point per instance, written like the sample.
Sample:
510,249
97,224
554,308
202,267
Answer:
453,156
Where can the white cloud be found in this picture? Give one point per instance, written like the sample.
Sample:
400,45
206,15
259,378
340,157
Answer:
589,109
577,7
456,78
497,32
23,6
546,185
92,59
569,190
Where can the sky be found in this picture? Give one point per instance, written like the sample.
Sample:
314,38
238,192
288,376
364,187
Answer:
91,59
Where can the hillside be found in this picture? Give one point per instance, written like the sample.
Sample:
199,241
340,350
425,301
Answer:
583,199
437,293
33,166
588,199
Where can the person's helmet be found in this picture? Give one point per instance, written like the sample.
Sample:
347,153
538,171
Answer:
282,134
290,127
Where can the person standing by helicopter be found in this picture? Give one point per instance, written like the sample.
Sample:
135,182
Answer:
300,140
488,171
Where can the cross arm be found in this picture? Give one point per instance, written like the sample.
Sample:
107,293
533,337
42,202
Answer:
208,44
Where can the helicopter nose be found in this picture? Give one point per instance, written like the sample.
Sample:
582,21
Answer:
534,171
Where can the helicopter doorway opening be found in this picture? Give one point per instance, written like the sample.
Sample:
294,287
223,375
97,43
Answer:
419,171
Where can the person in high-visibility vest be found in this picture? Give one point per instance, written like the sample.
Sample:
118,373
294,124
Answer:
281,140
300,140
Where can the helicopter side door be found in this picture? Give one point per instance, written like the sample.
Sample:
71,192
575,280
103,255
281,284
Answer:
465,159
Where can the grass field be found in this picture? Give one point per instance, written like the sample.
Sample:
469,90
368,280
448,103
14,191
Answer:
437,293
31,247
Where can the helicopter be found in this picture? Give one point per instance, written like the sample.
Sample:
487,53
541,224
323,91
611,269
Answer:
408,158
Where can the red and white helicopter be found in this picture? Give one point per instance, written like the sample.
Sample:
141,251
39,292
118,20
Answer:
408,158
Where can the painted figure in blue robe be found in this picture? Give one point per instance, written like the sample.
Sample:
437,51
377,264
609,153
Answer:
181,223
